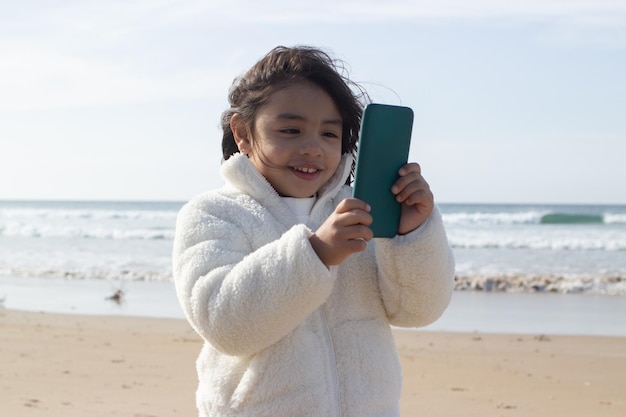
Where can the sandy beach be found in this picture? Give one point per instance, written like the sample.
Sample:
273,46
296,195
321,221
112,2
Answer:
77,365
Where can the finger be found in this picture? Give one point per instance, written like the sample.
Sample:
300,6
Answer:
408,183
354,217
352,204
357,232
414,190
356,245
362,232
409,168
420,197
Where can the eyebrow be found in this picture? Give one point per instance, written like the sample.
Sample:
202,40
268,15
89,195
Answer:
293,116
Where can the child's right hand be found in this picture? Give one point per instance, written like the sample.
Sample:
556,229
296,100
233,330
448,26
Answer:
345,231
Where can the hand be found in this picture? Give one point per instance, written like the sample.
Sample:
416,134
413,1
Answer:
345,231
412,190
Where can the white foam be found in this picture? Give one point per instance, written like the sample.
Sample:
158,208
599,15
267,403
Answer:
490,219
90,224
20,229
88,274
586,240
610,218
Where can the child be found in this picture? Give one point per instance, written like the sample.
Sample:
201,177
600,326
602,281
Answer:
278,271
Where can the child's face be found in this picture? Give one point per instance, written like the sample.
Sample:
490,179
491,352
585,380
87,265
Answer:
296,140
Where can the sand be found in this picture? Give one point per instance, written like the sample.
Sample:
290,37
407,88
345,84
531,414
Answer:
76,365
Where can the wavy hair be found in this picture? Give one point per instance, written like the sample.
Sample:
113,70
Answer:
282,67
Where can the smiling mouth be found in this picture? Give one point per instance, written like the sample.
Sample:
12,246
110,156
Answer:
306,173
305,170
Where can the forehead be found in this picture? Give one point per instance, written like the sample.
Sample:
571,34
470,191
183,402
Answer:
303,99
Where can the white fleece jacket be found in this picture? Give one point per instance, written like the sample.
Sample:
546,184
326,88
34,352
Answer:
285,335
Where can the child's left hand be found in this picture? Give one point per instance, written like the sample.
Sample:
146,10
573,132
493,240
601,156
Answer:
412,190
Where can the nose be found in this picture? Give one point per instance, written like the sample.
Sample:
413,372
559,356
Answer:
311,146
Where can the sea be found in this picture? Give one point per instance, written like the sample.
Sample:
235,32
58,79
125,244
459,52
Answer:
58,255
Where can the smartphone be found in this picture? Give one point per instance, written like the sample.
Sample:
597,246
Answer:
385,137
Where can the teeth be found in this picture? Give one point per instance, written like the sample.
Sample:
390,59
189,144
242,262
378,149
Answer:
307,170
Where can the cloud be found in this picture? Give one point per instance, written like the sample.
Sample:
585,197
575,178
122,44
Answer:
34,79
81,53
596,12
122,16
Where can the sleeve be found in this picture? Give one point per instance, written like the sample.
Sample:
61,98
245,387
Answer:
239,300
416,274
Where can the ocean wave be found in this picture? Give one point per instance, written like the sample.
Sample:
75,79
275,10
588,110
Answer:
531,217
20,229
93,223
492,219
88,214
611,218
99,274
613,284
519,283
540,242
571,218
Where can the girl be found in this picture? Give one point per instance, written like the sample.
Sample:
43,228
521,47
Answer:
278,271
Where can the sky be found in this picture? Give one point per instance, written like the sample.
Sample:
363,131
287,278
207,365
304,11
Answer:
514,101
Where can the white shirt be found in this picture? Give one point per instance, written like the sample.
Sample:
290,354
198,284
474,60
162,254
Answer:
301,207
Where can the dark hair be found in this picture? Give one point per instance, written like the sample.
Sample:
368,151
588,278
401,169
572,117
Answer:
282,67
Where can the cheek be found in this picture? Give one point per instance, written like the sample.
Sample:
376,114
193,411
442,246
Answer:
334,157
335,150
270,157
278,153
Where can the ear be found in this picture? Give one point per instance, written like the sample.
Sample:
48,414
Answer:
241,134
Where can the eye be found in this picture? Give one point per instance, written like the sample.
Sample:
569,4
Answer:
330,134
290,131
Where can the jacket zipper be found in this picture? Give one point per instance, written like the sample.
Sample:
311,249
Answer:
333,363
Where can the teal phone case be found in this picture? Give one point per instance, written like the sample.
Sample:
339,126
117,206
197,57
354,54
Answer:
385,138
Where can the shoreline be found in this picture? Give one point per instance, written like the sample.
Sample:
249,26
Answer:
469,311
73,365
